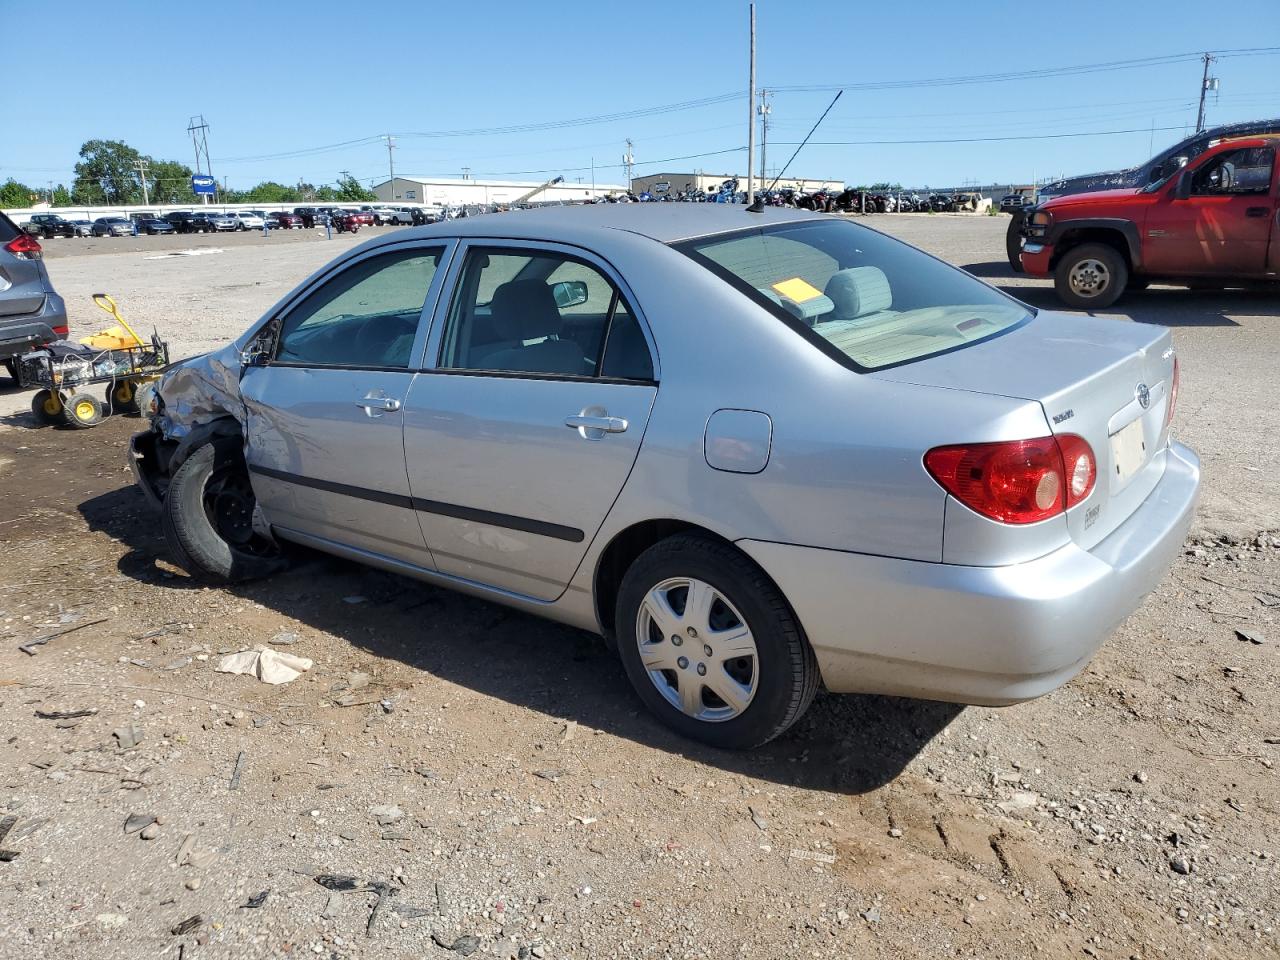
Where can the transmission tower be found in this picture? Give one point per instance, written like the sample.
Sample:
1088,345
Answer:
199,131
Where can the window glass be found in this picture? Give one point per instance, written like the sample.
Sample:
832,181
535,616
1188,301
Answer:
626,356
366,316
857,293
1247,170
530,312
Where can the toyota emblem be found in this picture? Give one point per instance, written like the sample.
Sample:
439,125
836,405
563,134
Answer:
1143,393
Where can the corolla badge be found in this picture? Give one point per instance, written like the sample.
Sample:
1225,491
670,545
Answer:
1143,393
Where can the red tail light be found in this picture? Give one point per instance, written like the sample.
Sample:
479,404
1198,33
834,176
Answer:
62,331
1173,393
25,247
1016,481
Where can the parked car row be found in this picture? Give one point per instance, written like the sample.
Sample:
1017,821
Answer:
343,219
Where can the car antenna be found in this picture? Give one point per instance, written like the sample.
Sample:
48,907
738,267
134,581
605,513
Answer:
758,205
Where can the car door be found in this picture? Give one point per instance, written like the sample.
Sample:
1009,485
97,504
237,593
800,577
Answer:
325,410
520,439
1222,226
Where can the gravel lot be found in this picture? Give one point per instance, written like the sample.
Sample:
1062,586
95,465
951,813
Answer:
488,783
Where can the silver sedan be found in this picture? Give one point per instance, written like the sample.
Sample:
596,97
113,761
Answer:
758,452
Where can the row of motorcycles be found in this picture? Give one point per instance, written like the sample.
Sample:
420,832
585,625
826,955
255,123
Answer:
825,201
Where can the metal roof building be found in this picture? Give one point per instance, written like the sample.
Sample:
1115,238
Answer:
459,191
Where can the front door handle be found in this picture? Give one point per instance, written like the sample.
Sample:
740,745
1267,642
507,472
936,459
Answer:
1255,212
376,406
594,427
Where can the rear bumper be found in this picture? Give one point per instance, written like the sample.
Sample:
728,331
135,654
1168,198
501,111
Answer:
982,635
33,330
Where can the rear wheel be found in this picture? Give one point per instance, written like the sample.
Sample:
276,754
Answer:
122,396
1091,276
1013,241
47,407
711,645
82,411
208,517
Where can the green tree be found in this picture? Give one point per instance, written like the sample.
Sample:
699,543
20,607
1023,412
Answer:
61,196
327,194
349,188
271,192
107,173
169,182
14,194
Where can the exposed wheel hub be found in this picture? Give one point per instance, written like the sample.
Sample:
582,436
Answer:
1089,277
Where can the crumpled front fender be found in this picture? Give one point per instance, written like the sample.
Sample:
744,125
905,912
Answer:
199,391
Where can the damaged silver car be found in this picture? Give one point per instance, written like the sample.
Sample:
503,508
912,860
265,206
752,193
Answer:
759,452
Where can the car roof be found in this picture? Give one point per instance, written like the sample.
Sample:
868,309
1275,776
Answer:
663,222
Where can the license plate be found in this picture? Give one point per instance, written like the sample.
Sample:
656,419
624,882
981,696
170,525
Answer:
1128,451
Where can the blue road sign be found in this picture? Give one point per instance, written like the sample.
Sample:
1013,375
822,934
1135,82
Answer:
203,186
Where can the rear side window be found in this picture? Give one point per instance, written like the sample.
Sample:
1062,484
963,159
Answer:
366,316
1243,171
8,229
863,298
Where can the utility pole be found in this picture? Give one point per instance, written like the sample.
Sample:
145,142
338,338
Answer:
142,175
628,164
763,109
391,164
751,110
1205,81
593,178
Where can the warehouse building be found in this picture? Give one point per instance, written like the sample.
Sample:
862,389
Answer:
460,191
673,183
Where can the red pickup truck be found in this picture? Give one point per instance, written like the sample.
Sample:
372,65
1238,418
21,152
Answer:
1213,223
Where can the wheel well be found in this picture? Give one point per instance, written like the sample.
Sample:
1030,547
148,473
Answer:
1071,239
622,552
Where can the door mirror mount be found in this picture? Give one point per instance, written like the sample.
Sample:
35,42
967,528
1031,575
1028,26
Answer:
1183,188
258,351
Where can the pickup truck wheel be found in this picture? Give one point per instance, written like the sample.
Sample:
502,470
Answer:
208,518
1091,276
711,645
1013,241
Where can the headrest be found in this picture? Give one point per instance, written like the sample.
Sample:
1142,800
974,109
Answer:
858,291
525,310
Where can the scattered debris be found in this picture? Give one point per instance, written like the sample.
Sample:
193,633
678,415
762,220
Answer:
235,773
7,824
1140,777
758,820
1019,800
464,946
567,733
254,902
1180,865
66,714
187,925
410,911
284,638
29,647
383,892
269,666
552,775
332,881
1251,636
871,915
137,822
150,831
386,815
895,832
128,736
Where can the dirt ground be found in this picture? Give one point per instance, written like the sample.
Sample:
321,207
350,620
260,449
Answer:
451,777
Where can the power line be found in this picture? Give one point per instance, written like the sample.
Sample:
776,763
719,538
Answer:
1034,74
1031,136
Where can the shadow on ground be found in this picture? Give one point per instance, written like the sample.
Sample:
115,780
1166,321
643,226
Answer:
1167,306
845,743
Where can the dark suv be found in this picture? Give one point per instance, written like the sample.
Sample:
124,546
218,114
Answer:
31,314
184,221
49,225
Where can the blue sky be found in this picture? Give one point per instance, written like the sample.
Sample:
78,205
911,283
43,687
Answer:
285,77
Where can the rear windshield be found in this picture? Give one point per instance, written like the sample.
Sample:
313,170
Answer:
863,298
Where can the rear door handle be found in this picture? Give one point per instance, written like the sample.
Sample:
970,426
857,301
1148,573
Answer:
594,428
1255,212
376,406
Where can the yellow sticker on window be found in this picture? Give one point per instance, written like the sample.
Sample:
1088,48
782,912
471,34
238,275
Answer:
797,289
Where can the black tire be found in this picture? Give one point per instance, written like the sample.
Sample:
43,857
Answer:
1110,271
82,411
208,500
122,397
786,671
1013,241
11,368
46,408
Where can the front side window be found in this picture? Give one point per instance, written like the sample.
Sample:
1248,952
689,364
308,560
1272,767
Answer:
532,311
366,316
863,298
1243,171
